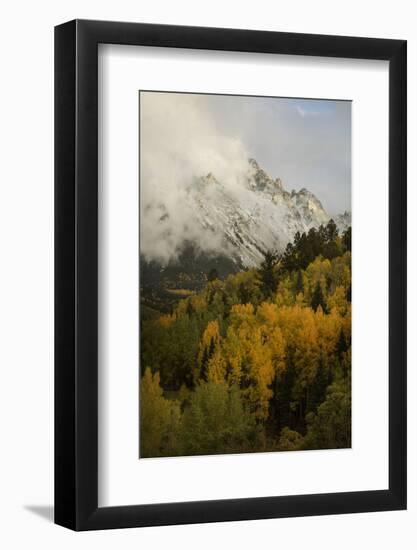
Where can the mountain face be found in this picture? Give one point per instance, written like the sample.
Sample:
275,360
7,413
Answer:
261,216
343,221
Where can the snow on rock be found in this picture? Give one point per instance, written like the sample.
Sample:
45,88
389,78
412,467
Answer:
258,215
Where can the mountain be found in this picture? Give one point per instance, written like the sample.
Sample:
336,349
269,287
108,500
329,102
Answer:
257,216
343,221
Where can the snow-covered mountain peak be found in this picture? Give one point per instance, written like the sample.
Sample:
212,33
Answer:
254,215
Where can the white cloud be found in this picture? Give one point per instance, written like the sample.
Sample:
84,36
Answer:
179,141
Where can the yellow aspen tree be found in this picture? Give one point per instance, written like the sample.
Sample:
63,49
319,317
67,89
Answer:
208,348
337,301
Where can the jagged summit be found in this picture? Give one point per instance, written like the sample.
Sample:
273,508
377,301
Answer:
257,215
343,221
261,181
262,216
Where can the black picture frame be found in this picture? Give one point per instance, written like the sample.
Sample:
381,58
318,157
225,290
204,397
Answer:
76,272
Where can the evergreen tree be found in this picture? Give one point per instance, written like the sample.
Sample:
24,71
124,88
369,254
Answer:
243,294
322,235
347,239
318,388
305,250
317,298
341,345
297,238
212,274
289,262
331,231
315,244
267,273
284,390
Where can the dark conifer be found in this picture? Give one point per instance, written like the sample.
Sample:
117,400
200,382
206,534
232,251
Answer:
268,275
341,345
212,274
317,298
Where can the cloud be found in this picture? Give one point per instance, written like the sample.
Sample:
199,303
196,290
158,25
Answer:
179,141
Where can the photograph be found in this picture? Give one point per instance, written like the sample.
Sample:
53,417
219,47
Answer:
245,274
197,352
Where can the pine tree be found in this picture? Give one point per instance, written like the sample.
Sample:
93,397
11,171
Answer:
341,345
317,298
347,239
243,294
289,262
318,388
331,231
322,235
212,274
268,274
284,395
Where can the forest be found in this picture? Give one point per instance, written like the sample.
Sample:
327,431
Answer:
257,361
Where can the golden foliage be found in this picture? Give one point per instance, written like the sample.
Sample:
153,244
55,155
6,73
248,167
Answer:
247,342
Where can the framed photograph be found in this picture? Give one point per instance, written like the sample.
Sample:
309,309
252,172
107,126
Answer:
230,275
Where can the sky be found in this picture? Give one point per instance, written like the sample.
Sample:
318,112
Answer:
305,143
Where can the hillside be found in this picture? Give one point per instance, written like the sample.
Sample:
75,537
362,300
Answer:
258,361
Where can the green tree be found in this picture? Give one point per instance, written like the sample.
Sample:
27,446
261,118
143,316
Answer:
267,273
216,421
159,419
247,365
283,391
290,440
330,428
347,239
331,231
317,393
341,345
317,299
212,274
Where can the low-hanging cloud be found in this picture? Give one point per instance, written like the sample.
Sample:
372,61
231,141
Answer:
179,141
